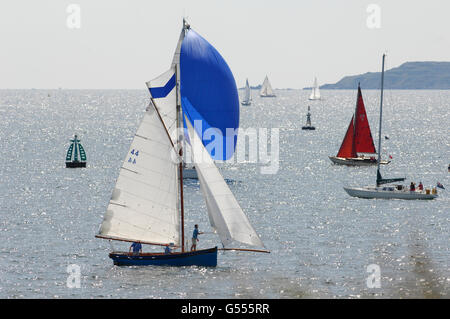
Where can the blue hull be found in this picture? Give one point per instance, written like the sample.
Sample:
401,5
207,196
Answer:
205,258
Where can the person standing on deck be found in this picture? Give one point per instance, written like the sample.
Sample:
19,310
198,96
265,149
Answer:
137,248
420,186
195,238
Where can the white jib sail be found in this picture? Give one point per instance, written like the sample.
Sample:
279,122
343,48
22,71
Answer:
144,203
225,214
266,87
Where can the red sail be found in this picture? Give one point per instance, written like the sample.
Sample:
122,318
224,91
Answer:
363,136
347,149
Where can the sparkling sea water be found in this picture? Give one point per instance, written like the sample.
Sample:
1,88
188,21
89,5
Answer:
321,240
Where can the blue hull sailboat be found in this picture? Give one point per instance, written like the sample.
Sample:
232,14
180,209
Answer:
147,203
204,257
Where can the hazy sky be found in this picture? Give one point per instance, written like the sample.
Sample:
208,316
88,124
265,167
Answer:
123,44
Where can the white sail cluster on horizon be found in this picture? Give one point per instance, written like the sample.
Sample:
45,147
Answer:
266,89
144,203
225,215
315,93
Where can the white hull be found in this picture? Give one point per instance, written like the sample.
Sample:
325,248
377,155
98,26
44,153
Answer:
359,161
189,173
388,192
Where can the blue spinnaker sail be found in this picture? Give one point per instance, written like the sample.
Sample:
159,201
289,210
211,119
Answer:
209,94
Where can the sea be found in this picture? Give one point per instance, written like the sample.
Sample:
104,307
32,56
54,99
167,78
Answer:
322,242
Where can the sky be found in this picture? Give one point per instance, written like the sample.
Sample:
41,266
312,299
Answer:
117,44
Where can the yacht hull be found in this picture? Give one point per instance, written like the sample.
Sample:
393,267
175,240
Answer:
357,161
387,193
204,257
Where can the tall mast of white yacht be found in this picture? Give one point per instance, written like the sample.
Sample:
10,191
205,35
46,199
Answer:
381,116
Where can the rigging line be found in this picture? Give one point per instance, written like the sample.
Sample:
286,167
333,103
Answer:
162,122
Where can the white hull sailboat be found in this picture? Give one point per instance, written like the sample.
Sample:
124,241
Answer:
266,89
147,203
356,161
315,93
358,148
388,192
247,94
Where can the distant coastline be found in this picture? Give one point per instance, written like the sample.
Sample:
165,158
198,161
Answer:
408,76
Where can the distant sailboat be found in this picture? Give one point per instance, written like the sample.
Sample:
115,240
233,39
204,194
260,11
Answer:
308,125
315,93
76,156
357,148
388,192
266,89
247,94
147,204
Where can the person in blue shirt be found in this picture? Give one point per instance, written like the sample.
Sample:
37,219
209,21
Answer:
137,248
167,250
195,237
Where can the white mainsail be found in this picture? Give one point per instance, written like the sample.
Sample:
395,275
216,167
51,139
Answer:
315,94
225,214
266,89
144,203
247,92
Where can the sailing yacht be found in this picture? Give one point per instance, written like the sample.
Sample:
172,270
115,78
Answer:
388,192
247,94
266,89
358,148
315,93
147,203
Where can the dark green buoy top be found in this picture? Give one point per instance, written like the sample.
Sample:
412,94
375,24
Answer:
76,156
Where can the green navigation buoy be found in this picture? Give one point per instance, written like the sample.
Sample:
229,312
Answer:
76,156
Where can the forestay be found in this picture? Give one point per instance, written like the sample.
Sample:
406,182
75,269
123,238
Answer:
164,97
225,214
144,203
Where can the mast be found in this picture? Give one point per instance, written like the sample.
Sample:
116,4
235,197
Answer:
354,124
180,132
381,115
